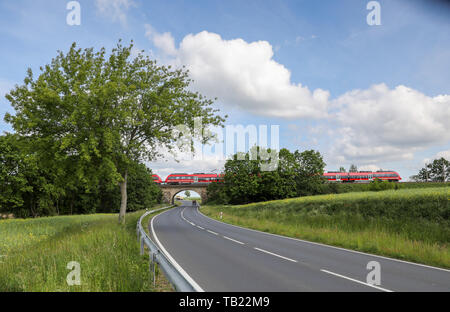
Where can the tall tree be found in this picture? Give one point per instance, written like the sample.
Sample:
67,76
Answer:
353,168
309,171
436,171
96,114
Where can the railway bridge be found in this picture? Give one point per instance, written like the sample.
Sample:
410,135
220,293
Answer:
169,190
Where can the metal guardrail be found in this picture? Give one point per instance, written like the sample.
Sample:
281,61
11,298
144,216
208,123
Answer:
156,256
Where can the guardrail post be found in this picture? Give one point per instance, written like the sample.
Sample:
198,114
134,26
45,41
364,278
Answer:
154,269
142,245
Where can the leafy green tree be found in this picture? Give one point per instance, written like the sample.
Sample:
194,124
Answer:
440,170
13,183
295,174
353,168
309,172
242,177
142,191
342,169
94,115
436,171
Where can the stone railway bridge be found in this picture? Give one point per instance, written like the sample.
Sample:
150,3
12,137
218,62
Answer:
169,191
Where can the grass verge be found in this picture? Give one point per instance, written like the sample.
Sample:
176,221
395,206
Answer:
35,254
411,225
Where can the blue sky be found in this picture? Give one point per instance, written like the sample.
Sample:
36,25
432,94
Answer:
376,96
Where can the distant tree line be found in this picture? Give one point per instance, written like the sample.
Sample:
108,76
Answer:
436,171
296,174
29,188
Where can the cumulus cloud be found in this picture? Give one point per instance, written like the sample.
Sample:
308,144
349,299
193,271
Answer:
389,124
165,42
242,74
114,9
442,154
369,126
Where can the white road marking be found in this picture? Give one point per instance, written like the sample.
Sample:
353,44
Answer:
233,240
324,245
356,281
200,227
212,232
276,255
171,259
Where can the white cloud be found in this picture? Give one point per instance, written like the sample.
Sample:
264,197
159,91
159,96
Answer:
370,126
381,124
242,74
165,42
442,154
445,154
114,9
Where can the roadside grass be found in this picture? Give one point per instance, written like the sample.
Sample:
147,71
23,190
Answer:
35,253
412,225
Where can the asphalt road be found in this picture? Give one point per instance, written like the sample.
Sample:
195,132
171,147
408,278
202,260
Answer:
222,257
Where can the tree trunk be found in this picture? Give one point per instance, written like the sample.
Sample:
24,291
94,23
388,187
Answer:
123,201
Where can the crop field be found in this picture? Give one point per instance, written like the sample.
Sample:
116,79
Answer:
35,253
409,224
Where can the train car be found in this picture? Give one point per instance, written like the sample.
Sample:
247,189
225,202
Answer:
361,176
179,178
156,179
389,175
198,177
205,177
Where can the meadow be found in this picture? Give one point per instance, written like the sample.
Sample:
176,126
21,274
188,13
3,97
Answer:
409,224
35,253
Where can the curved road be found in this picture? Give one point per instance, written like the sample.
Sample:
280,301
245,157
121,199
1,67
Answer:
222,257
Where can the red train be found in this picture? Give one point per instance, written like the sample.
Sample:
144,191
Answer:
185,178
362,176
156,179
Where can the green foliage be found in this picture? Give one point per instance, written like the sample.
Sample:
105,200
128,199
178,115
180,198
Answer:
338,188
142,191
31,190
436,171
216,194
89,116
245,179
309,171
35,254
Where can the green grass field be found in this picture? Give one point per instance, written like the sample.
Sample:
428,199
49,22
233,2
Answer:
409,224
35,253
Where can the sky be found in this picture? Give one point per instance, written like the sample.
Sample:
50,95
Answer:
377,96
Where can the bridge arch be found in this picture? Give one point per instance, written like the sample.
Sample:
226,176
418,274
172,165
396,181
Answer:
169,191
